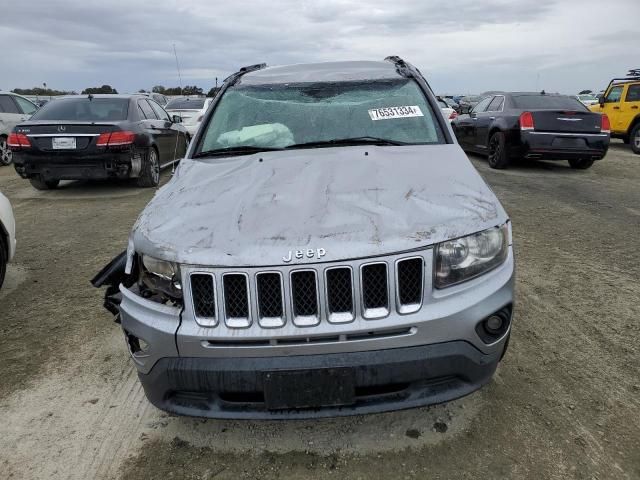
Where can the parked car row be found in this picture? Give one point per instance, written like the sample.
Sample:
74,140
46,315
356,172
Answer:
97,137
531,125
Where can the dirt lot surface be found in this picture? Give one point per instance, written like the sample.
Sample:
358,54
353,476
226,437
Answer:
565,403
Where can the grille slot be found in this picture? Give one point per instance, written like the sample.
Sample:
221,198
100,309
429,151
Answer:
270,299
410,277
204,299
304,298
375,290
339,287
236,299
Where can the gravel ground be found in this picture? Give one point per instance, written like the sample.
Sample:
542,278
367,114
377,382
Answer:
565,403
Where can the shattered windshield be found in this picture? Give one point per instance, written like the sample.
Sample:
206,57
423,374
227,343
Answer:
287,115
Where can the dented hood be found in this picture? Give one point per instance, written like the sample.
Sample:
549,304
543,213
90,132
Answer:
350,202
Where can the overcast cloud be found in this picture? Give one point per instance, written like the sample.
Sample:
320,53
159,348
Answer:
461,46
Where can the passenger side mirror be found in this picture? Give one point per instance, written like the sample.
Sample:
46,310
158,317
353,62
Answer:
601,100
176,119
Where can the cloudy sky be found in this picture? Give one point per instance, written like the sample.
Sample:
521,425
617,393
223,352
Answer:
462,46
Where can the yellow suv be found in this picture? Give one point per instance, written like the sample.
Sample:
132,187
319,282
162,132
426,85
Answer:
621,103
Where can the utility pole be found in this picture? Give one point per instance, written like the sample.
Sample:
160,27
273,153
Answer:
177,66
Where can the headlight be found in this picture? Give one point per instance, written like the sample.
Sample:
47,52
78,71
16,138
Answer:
160,277
465,258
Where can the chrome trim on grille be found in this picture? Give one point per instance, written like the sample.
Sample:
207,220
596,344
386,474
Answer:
236,322
271,322
304,320
339,317
376,312
359,318
205,321
405,309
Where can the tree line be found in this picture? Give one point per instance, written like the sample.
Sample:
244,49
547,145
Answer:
170,91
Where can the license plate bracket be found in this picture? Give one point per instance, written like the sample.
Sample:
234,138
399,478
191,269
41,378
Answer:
326,387
63,143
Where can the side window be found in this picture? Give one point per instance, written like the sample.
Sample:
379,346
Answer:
633,93
162,115
614,95
26,106
7,105
480,106
147,110
496,104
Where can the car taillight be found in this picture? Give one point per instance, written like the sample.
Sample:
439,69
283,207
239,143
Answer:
115,139
605,125
18,140
453,115
526,121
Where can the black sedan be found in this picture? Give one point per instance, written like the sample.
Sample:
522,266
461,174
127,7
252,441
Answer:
97,137
533,125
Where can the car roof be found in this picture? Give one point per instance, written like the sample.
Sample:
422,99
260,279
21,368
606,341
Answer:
322,72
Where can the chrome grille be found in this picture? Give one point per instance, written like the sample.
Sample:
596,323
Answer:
339,286
270,299
375,290
309,295
304,298
236,299
410,281
204,302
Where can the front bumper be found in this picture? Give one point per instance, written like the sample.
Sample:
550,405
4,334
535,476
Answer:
63,166
402,361
563,146
385,380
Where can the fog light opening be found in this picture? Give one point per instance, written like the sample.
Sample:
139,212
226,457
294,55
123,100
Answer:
137,346
495,326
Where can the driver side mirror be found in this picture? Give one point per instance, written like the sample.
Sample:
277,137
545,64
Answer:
601,100
176,119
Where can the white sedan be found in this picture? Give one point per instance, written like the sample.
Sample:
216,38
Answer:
193,123
448,112
7,235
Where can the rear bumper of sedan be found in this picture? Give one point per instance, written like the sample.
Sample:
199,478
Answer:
77,166
563,146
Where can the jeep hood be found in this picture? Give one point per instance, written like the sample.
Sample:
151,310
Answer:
352,202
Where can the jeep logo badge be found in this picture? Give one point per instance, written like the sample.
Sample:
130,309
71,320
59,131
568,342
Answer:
308,253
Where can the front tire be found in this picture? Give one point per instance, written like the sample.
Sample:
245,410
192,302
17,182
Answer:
150,174
634,139
498,151
581,163
5,152
40,184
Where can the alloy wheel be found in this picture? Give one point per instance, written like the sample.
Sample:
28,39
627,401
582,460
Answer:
154,165
494,149
636,140
5,153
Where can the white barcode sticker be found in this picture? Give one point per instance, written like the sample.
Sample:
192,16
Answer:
387,113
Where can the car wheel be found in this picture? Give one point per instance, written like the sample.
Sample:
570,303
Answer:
498,151
634,139
150,174
40,184
5,152
581,163
3,260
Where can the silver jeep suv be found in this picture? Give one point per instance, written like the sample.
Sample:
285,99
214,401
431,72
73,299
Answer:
326,248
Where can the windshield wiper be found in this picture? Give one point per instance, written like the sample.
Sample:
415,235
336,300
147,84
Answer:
239,150
348,141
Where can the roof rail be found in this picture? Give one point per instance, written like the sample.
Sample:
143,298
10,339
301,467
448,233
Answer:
233,78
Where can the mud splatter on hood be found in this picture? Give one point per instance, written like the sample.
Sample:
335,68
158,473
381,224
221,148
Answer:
352,202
